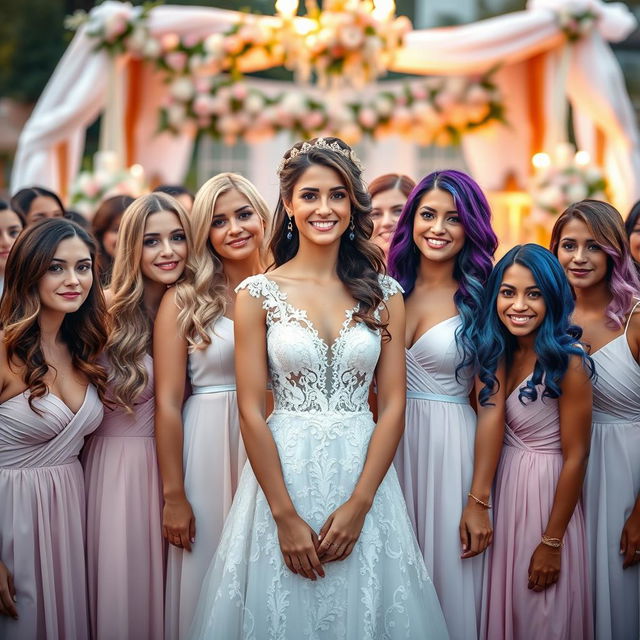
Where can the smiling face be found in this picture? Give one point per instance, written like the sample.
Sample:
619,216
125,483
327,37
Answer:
164,248
43,207
67,282
520,305
386,209
10,228
237,230
581,257
437,230
320,206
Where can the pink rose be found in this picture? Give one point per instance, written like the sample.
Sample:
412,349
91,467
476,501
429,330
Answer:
201,105
239,91
233,45
170,41
177,60
368,117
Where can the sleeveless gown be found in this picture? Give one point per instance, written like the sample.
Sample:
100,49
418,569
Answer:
525,487
213,459
42,514
125,547
435,467
611,488
321,426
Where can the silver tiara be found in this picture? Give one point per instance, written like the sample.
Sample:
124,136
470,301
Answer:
320,143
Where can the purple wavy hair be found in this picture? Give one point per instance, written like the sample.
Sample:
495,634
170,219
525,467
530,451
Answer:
605,223
474,262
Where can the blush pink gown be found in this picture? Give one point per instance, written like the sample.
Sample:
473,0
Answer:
525,486
42,514
125,547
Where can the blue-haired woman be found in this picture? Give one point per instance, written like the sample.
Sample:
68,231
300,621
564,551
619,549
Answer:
442,256
534,409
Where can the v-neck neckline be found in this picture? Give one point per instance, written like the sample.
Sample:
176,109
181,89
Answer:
430,329
308,323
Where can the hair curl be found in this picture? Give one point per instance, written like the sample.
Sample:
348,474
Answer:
607,227
359,260
202,295
473,263
131,327
84,331
556,338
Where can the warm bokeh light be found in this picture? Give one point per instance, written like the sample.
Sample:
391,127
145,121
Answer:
541,160
287,8
582,158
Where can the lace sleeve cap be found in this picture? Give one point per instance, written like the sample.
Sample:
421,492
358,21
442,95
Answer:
389,286
255,285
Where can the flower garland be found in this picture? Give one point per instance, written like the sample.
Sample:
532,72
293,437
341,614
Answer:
431,110
575,22
434,110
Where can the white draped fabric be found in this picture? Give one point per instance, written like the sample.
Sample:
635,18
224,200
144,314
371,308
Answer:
593,82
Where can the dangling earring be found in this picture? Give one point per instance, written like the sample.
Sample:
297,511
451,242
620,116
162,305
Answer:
289,230
352,235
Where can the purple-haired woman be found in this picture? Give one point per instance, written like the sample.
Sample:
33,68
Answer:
442,255
590,242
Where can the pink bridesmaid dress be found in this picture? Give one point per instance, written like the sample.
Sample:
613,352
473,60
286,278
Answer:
42,514
125,547
525,487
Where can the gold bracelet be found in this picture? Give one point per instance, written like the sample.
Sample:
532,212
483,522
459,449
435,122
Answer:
556,543
486,505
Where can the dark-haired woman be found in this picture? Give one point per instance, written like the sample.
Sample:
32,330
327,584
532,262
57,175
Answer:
37,203
11,224
52,319
589,240
442,255
534,400
105,225
388,195
318,542
632,227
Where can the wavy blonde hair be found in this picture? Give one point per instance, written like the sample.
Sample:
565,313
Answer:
131,328
202,296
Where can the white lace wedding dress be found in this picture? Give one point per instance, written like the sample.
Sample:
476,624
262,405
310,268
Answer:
321,426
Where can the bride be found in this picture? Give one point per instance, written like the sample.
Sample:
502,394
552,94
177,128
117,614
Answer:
318,543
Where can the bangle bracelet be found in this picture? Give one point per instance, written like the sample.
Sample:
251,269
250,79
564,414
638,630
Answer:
556,543
486,505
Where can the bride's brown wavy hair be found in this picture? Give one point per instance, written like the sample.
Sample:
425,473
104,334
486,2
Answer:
360,261
84,331
130,335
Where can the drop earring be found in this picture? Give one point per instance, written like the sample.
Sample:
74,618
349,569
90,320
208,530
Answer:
290,230
352,235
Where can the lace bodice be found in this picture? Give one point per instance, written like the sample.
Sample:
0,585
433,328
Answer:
308,375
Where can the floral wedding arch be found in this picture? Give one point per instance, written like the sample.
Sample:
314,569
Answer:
160,75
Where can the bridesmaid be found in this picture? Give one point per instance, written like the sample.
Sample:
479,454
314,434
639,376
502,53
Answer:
589,240
105,225
200,450
37,203
442,255
11,224
125,550
632,227
534,391
388,195
52,319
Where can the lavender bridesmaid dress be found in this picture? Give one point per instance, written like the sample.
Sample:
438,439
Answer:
435,467
611,487
213,459
125,547
42,514
525,487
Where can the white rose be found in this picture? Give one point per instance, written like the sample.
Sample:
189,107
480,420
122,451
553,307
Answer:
213,45
592,174
383,105
152,48
550,197
254,103
295,103
176,115
576,192
182,89
137,40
